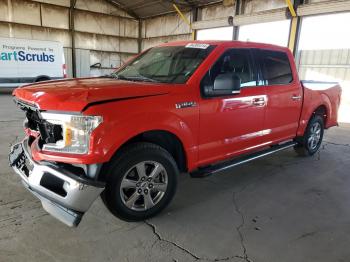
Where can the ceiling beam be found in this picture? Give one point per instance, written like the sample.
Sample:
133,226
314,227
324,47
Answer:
185,5
184,2
123,8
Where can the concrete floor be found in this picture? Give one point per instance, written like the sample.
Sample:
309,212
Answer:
280,208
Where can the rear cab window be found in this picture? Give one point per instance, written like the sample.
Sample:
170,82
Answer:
276,68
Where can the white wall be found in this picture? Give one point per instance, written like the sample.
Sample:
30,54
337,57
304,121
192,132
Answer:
100,28
165,29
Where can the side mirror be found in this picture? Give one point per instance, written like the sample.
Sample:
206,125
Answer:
224,84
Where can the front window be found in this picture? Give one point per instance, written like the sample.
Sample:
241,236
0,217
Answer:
167,64
235,61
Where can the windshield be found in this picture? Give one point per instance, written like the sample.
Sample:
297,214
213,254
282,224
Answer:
167,64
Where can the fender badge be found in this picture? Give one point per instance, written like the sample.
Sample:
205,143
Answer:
185,105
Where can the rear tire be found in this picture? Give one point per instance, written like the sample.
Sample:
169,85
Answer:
141,182
310,143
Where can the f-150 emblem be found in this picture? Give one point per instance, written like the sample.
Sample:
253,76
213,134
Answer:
185,104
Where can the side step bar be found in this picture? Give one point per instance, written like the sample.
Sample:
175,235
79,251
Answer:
210,170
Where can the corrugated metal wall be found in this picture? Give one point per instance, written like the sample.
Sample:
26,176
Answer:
104,33
110,35
165,28
328,65
171,27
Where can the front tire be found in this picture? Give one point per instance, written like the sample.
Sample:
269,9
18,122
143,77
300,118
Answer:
141,182
310,143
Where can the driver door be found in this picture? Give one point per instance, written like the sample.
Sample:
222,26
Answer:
232,124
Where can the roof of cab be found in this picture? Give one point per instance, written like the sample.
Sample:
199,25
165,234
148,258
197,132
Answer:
228,44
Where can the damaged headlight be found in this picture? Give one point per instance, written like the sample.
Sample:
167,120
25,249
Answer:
76,131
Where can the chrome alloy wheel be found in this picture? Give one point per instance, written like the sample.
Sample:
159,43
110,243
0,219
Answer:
144,185
315,136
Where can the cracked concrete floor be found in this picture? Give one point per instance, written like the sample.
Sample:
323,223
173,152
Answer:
280,208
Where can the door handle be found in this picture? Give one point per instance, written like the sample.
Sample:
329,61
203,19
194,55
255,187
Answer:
259,101
296,98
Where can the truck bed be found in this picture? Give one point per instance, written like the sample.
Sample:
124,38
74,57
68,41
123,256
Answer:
320,93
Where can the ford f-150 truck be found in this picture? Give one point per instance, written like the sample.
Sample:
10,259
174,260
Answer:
185,107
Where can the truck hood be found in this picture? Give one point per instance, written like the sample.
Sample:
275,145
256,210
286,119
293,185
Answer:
77,94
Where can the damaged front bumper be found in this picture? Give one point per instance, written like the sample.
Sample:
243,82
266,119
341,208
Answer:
63,194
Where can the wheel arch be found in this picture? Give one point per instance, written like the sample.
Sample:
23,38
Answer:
163,138
42,78
322,111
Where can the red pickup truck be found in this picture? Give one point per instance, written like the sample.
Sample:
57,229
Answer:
195,107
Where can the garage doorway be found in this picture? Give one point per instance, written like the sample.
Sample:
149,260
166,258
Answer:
324,53
276,32
221,33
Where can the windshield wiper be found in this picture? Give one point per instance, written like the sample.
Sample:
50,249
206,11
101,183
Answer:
121,77
107,76
131,78
115,76
139,78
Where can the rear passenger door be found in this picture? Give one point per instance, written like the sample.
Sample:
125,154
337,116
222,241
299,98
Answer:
284,95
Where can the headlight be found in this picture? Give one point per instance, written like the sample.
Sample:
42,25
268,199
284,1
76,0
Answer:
76,131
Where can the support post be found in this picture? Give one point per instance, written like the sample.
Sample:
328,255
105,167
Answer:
236,28
294,27
184,18
293,34
194,19
72,34
139,40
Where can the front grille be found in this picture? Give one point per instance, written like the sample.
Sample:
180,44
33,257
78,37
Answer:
33,119
49,133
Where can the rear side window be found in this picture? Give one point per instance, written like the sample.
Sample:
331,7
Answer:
276,69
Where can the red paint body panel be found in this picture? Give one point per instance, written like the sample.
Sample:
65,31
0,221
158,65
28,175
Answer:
73,95
230,125
214,130
318,94
282,112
